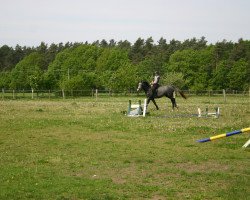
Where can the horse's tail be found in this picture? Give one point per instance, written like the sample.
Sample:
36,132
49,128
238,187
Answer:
181,93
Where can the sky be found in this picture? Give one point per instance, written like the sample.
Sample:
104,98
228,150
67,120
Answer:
30,22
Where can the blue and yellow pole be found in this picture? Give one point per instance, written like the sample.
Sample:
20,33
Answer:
225,135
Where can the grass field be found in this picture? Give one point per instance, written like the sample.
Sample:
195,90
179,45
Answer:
88,149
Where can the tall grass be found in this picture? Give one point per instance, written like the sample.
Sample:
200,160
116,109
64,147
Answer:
88,149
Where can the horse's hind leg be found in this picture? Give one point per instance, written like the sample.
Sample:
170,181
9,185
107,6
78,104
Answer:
174,105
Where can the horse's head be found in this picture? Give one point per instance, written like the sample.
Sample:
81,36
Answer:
143,85
139,86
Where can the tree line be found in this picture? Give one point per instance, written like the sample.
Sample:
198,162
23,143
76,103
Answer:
118,66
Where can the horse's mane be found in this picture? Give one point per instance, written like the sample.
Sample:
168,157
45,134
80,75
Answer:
145,83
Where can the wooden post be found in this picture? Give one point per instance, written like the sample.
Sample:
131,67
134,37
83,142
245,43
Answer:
13,94
224,95
96,94
2,93
63,94
49,94
32,93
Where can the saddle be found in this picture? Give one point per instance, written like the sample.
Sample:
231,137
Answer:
153,90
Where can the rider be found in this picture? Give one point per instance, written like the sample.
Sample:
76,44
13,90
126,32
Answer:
155,83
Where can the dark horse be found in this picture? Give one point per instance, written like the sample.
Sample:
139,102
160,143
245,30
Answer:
167,91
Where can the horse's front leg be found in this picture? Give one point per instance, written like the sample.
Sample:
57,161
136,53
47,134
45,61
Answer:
148,101
157,108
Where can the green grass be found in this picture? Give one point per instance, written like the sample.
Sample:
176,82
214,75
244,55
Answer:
87,149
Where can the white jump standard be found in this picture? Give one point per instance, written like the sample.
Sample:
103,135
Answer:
215,114
138,110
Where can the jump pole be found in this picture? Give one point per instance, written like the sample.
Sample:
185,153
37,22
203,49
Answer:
246,144
224,135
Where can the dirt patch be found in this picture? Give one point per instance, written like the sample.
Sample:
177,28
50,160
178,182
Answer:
158,197
202,167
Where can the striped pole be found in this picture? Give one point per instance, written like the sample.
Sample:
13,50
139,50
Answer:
225,135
